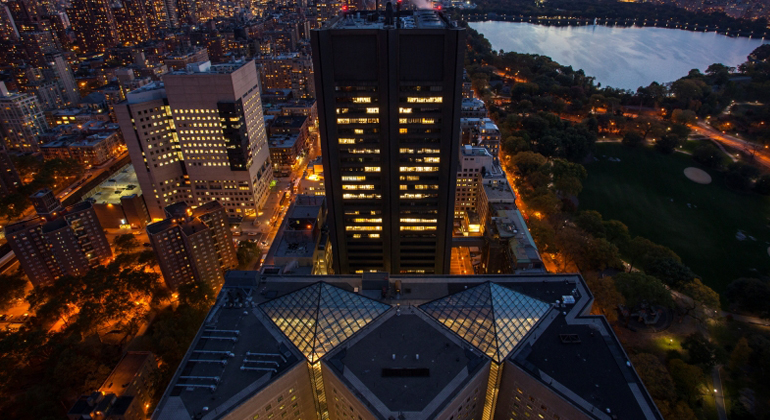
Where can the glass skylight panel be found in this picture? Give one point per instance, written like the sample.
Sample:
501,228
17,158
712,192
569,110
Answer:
490,317
319,317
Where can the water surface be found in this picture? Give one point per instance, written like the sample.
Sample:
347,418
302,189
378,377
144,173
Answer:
621,57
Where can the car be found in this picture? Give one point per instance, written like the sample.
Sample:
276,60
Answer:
147,244
3,317
252,233
264,243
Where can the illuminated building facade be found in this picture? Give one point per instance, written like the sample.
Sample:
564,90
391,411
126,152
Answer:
131,22
68,241
221,131
93,24
193,245
157,15
21,119
199,137
372,347
389,110
287,71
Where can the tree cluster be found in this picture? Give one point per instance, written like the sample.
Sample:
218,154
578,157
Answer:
50,174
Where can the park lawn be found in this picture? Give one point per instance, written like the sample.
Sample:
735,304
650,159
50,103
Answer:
639,191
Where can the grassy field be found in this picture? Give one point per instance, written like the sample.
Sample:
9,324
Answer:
649,192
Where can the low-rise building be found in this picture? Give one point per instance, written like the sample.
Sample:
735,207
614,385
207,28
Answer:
119,202
284,152
473,108
511,248
125,394
181,60
481,132
302,242
88,150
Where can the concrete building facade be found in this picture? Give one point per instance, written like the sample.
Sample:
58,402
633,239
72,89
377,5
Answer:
198,137
193,245
69,242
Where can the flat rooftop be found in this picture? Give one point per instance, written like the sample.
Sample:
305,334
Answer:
283,140
366,330
499,191
232,333
122,183
433,356
124,373
586,360
417,19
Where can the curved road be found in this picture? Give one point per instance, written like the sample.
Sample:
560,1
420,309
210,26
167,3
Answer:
762,155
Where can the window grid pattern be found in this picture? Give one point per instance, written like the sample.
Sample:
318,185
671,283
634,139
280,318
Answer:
319,317
492,318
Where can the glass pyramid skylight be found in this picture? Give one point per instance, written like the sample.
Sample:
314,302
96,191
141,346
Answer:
319,317
491,317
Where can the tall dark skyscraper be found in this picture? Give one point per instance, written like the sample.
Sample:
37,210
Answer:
389,93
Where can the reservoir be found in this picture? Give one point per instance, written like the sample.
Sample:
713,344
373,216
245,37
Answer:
621,57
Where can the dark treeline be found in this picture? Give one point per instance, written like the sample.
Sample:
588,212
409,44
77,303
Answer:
606,9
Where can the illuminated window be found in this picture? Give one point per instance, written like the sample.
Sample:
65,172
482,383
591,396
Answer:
404,110
362,100
425,100
432,160
358,187
402,131
413,220
417,228
374,235
347,141
358,120
367,220
362,228
372,110
361,196
364,151
419,169
359,131
353,178
374,169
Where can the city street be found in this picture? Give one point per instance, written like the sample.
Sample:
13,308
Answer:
461,261
263,228
762,155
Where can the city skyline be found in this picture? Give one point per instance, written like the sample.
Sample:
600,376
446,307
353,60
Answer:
355,209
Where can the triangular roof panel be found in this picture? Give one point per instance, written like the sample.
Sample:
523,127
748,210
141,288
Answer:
492,318
319,317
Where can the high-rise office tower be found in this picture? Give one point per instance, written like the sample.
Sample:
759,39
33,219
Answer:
199,137
389,93
93,24
22,119
193,245
63,242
